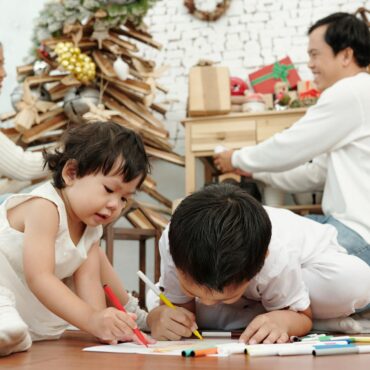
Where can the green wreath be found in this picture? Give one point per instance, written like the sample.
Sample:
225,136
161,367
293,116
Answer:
56,14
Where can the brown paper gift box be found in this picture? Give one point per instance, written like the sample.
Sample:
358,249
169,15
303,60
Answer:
209,91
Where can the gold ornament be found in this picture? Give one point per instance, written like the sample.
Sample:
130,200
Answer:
71,59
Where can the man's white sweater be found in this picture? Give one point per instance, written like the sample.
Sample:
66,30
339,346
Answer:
335,135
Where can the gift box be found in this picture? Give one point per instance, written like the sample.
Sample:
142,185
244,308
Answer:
264,80
209,91
307,89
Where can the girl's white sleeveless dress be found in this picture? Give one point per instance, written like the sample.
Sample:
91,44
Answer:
43,324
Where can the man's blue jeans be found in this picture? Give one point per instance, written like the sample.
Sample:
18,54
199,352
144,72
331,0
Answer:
348,238
4,196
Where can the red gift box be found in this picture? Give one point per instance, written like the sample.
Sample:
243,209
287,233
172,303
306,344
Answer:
264,80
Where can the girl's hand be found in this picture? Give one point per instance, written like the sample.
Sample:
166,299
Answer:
112,325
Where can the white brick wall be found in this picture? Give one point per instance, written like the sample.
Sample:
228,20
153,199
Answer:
251,34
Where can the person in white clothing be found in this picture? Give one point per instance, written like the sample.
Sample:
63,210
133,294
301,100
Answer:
237,259
51,267
334,135
15,163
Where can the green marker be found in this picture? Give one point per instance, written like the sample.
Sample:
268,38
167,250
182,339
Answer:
187,352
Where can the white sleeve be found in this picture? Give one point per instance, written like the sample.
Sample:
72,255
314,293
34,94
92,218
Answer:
310,176
168,280
17,164
287,290
329,124
280,282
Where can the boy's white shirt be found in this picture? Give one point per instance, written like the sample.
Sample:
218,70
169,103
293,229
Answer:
338,126
296,242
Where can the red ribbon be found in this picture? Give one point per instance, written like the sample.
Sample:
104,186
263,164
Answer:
312,93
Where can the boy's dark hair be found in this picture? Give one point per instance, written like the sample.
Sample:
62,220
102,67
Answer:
219,236
346,30
96,147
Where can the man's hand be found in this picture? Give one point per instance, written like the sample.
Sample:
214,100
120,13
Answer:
222,161
167,323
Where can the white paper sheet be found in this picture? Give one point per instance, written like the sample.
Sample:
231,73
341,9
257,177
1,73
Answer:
172,348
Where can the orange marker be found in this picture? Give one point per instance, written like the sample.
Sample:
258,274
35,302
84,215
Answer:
116,303
203,352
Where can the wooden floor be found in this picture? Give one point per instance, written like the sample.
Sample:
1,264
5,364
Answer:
66,354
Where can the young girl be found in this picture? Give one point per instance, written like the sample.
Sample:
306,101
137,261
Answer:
51,267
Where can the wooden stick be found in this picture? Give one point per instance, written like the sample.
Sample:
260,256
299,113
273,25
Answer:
38,80
139,37
6,116
156,142
159,108
167,156
51,124
113,48
155,207
84,44
129,84
51,113
149,64
157,218
105,64
140,220
161,88
58,91
136,108
150,182
156,195
25,69
136,121
122,43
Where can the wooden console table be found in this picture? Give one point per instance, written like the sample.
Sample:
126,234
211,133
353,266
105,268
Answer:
234,131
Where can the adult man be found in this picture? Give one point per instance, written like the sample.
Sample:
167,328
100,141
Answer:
334,134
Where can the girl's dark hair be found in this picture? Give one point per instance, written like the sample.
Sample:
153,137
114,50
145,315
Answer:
219,236
96,147
346,30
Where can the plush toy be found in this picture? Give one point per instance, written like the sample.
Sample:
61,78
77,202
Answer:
237,86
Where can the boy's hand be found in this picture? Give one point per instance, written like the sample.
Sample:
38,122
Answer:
265,328
111,325
169,324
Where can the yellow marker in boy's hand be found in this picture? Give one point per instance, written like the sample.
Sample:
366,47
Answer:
164,299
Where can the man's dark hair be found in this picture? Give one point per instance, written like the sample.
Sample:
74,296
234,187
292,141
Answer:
346,30
96,147
219,236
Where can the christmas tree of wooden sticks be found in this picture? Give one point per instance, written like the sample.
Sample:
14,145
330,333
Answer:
88,67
